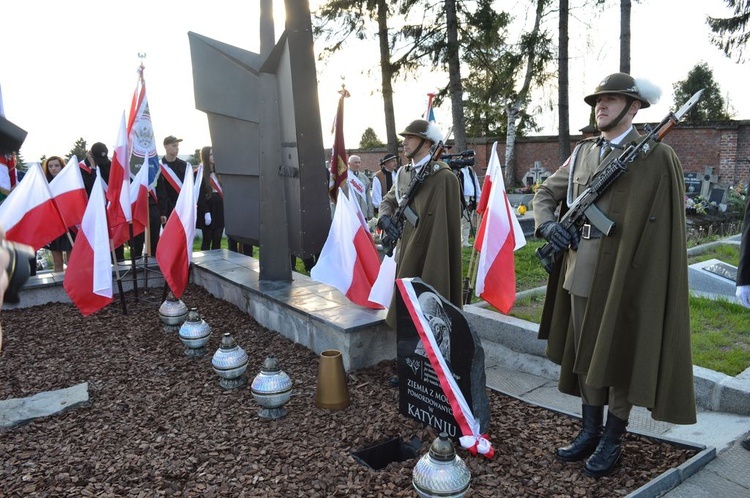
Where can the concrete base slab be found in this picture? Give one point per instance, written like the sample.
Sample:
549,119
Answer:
312,314
16,411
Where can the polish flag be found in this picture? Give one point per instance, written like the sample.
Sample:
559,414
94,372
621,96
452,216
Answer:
501,235
487,184
175,249
69,193
29,214
349,260
118,191
88,279
139,199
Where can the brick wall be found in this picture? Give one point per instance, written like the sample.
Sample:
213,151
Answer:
724,146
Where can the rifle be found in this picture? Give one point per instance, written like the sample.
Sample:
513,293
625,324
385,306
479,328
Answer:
401,213
583,208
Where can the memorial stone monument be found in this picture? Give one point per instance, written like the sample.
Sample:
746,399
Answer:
421,396
264,121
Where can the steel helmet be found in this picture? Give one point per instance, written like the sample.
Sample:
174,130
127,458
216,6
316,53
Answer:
423,129
620,83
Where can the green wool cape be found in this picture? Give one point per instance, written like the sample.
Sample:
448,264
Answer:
636,329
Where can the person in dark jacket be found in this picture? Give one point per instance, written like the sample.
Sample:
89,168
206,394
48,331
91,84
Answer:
743,275
172,175
210,217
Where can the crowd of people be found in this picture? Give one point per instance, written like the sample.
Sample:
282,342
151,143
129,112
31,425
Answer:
162,200
616,314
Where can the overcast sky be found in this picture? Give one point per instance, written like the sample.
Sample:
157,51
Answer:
69,68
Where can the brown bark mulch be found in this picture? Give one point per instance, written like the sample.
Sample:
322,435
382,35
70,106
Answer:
158,423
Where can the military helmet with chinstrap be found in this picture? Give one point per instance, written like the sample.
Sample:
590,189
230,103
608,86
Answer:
424,129
620,83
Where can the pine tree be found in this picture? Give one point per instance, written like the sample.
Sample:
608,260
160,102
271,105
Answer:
370,140
79,150
712,106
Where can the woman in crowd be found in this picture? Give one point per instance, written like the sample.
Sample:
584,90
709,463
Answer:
210,203
61,246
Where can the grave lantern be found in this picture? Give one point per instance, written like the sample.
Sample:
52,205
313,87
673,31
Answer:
441,472
172,313
230,362
194,334
271,388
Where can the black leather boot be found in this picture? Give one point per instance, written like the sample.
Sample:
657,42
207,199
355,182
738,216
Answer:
607,454
587,440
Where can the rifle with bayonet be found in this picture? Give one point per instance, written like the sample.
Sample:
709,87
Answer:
583,209
401,213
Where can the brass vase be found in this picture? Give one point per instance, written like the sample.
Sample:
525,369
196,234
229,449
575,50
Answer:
332,392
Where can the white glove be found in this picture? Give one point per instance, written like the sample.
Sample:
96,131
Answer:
207,218
743,294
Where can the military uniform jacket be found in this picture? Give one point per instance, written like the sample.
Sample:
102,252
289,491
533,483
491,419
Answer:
636,327
432,249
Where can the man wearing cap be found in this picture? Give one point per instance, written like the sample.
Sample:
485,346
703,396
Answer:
170,180
430,244
383,180
616,313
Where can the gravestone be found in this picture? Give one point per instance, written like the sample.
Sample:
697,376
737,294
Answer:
537,174
723,270
421,396
709,180
718,195
692,183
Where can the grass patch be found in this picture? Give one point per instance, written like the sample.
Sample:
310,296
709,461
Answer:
720,335
720,330
728,253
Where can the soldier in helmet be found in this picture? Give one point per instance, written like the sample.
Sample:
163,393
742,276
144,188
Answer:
430,246
616,314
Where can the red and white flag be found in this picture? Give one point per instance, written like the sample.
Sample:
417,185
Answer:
69,193
29,214
349,260
7,171
141,143
175,249
499,235
338,167
88,279
139,200
487,184
118,191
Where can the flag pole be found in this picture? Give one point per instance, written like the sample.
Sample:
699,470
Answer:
132,262
117,275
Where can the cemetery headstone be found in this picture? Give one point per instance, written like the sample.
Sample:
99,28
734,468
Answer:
709,180
421,396
717,195
723,270
692,183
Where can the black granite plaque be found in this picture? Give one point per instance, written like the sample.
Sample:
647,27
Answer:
717,195
723,270
420,394
692,183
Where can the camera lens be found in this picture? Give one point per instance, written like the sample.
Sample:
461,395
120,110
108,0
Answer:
18,269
